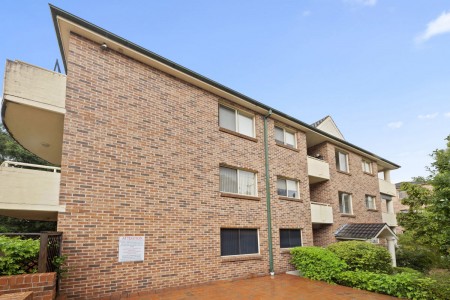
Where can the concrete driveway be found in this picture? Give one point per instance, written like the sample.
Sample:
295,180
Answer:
281,286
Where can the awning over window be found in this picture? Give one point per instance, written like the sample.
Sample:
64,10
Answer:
364,231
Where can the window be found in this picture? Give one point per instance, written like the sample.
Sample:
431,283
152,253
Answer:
345,203
290,238
285,137
367,166
238,241
341,161
287,188
234,120
237,181
370,202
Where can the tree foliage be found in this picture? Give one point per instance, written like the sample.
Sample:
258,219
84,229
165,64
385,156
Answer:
428,218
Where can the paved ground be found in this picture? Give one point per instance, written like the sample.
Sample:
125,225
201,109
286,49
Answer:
278,287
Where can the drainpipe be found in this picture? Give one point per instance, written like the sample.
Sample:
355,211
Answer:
269,215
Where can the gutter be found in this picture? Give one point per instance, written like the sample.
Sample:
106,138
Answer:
269,214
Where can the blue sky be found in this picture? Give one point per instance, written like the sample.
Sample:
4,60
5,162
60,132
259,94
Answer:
380,68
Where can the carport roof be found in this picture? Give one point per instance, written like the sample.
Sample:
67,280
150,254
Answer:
363,231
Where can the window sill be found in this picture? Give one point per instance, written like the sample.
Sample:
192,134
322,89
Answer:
290,199
243,257
238,134
348,215
238,196
342,172
370,174
286,146
372,209
287,250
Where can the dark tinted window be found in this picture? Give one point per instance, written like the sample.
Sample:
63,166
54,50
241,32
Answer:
290,238
238,241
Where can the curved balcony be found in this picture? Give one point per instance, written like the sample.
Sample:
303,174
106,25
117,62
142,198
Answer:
33,108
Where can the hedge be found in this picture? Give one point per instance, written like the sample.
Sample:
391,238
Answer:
14,252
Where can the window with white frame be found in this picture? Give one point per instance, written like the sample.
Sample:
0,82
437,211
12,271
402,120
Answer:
342,161
285,137
370,202
345,203
287,188
367,166
290,238
235,120
238,241
237,181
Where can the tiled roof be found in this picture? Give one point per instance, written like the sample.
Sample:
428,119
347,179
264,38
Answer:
359,230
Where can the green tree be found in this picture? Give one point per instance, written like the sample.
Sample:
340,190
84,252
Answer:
428,218
11,150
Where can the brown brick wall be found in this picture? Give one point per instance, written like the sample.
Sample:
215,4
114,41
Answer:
141,156
43,285
356,182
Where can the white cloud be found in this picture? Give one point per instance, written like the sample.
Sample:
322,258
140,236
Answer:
447,115
395,125
306,13
427,116
438,26
362,2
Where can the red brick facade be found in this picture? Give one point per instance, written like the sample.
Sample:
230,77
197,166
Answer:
141,156
42,286
356,183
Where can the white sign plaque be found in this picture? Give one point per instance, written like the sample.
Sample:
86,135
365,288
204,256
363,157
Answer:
131,248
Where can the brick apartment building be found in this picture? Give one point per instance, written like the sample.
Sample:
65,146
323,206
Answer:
215,184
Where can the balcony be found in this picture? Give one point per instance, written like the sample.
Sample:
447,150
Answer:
389,218
318,170
321,213
33,108
387,187
29,191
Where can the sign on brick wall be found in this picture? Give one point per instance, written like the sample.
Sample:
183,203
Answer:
131,248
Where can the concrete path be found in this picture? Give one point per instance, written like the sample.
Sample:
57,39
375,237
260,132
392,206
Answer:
278,287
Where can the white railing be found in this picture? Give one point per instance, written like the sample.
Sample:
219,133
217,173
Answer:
321,213
15,164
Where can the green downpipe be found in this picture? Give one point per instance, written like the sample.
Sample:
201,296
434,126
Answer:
269,214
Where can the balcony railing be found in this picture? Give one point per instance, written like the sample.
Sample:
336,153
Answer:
29,191
387,187
321,213
318,170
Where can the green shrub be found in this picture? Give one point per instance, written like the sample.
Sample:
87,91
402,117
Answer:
317,263
417,259
363,256
14,252
398,270
402,285
441,289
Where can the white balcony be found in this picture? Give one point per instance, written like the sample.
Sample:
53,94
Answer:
33,108
321,213
318,170
389,218
387,187
29,191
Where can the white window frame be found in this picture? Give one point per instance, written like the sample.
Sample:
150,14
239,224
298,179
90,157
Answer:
237,180
287,193
250,254
236,119
338,165
373,201
369,164
284,137
341,194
